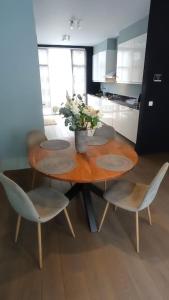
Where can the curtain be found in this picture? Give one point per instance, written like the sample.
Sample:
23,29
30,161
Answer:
60,74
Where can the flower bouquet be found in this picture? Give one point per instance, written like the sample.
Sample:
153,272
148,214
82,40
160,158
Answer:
80,118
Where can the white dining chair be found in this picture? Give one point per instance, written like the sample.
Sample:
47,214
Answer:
34,138
107,132
133,197
39,205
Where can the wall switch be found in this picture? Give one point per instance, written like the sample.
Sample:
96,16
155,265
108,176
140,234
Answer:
150,103
157,78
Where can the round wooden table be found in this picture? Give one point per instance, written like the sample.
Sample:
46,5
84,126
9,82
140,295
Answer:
86,171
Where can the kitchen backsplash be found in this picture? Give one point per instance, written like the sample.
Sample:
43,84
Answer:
131,90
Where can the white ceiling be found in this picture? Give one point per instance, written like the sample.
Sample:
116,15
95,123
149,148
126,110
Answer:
101,19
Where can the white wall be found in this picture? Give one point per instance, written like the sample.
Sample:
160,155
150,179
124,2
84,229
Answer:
20,93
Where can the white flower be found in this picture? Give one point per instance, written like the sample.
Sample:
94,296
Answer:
74,108
77,112
90,111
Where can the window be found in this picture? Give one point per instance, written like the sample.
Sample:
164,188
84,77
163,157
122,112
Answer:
61,70
79,71
44,77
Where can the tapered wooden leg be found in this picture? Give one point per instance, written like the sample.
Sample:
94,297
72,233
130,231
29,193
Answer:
33,179
137,233
115,208
104,215
149,215
69,223
40,245
105,185
18,223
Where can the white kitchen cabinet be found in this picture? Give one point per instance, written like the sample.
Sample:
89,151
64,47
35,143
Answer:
130,60
101,65
104,105
94,101
125,121
95,74
104,62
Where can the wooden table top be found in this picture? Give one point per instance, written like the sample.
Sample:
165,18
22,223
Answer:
86,170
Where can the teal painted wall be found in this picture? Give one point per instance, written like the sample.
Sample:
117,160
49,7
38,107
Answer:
20,93
132,90
133,30
109,44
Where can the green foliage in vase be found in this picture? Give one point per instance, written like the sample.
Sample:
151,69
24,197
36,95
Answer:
78,115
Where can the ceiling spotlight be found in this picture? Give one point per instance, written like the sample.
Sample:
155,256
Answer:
78,24
66,37
74,23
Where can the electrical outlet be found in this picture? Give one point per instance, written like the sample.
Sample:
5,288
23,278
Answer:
150,103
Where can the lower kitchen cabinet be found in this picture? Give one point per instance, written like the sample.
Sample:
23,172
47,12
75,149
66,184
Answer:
123,118
125,121
94,101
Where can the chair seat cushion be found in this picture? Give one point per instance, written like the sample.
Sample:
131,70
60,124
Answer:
125,194
48,202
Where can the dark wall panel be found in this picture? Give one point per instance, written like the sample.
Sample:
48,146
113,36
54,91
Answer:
153,130
92,87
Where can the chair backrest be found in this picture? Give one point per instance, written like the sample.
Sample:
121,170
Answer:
106,131
154,186
18,199
34,138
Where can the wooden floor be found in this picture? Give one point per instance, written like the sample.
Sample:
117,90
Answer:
94,266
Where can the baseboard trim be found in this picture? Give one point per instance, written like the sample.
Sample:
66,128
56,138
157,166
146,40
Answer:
16,163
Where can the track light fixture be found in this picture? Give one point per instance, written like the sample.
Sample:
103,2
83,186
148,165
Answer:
75,23
66,37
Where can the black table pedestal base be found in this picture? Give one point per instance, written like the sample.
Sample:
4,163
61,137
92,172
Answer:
86,189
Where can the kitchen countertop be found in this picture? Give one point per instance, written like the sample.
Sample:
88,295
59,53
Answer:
119,99
124,103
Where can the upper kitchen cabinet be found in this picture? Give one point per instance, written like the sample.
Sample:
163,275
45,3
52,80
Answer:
104,60
99,66
130,60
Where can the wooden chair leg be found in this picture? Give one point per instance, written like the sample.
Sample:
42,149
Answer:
69,222
50,183
137,233
18,223
104,215
149,215
115,208
40,245
33,179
